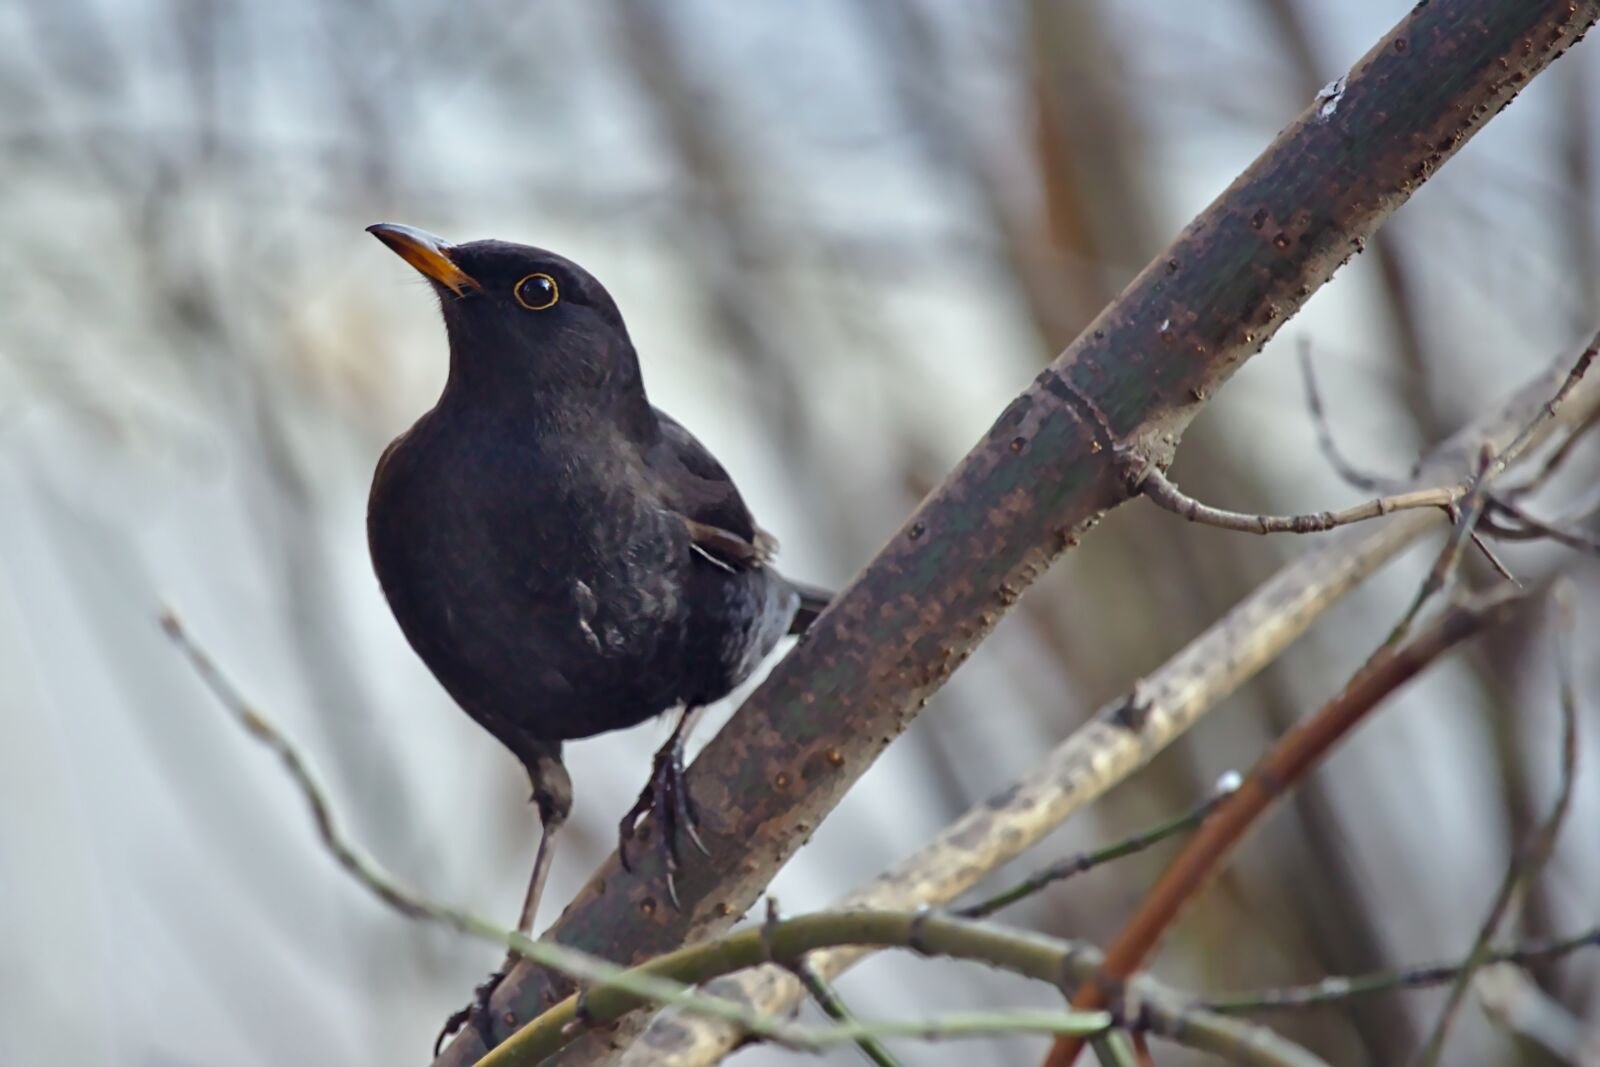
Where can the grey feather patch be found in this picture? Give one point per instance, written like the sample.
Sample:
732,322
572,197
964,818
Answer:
584,597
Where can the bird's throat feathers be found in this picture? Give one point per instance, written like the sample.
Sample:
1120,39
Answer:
564,378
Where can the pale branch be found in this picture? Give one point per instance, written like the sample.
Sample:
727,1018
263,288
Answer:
1045,472
1531,856
1335,990
1072,866
1513,1000
656,985
1145,1005
1129,731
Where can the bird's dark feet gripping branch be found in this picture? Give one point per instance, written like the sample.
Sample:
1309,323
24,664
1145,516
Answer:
566,559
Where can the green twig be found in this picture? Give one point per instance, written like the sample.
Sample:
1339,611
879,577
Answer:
831,1004
1114,1049
1084,861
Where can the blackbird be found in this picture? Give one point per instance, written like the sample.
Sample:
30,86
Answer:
565,558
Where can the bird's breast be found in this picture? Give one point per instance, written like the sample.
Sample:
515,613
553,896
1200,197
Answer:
491,549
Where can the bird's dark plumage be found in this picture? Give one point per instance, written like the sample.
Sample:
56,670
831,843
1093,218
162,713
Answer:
566,559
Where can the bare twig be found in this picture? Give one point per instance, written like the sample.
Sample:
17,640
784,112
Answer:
1084,861
1466,516
828,1000
1333,990
1553,461
1534,528
1353,476
1285,764
1161,491
1526,439
359,867
1531,857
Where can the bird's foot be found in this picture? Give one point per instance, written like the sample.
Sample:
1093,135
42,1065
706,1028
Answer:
667,795
475,1013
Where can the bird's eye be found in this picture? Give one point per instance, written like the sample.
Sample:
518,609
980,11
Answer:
537,292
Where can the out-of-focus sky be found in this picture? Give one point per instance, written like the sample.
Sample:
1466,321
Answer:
828,229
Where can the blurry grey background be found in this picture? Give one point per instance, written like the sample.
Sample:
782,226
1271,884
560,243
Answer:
843,235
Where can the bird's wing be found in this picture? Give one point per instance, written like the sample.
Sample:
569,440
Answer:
697,488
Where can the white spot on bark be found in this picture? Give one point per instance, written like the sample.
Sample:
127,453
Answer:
1328,99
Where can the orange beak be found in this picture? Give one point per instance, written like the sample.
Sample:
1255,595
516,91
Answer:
427,253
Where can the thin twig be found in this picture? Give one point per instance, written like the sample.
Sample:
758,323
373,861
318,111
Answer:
1580,367
1353,476
1162,491
1531,857
1114,1049
828,1000
1554,460
1285,764
1466,518
1536,528
1084,861
1334,990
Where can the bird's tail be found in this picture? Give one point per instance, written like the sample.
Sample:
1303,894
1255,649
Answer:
812,603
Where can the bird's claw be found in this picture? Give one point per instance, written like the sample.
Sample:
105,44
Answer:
667,796
476,1013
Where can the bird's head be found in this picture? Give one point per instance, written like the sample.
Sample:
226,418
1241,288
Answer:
521,316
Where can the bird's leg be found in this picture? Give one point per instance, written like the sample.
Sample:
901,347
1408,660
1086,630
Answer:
667,795
552,793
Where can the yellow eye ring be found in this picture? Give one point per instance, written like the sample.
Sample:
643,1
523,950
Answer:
536,292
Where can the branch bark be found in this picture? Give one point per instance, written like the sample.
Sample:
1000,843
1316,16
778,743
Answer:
1046,470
